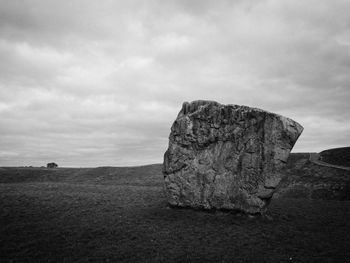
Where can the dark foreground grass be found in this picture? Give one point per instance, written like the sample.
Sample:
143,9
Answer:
60,218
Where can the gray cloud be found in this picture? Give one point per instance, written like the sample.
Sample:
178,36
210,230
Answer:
86,83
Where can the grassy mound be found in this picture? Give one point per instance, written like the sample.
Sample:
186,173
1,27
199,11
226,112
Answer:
337,156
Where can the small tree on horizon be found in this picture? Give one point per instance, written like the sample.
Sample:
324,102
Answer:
52,165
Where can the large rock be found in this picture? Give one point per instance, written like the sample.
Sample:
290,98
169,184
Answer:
226,156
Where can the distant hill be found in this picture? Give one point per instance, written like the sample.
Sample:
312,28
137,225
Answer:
336,156
146,175
303,179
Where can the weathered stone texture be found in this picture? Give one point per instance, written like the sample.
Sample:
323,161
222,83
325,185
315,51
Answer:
226,156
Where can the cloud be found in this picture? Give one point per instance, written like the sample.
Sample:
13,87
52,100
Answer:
86,83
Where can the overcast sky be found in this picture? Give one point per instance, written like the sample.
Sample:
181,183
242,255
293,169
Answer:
92,83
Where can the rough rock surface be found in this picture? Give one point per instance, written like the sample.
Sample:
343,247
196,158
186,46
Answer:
226,156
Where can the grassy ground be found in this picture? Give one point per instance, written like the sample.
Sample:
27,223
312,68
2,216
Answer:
120,215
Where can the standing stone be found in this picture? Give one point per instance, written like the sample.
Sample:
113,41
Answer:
226,156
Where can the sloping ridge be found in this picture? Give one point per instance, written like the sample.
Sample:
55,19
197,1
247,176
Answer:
307,177
317,158
336,156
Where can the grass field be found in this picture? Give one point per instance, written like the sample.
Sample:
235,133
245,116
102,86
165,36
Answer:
111,214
